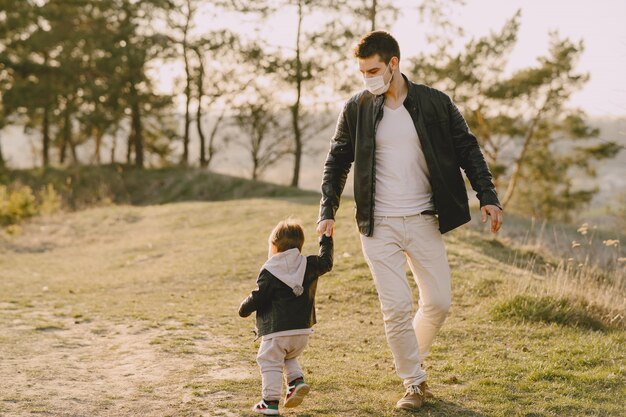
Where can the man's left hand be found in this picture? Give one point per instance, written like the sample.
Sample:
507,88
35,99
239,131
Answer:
496,216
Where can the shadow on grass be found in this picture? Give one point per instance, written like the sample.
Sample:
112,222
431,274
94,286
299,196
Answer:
27,249
445,408
494,248
437,408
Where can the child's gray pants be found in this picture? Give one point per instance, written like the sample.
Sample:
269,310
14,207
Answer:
276,355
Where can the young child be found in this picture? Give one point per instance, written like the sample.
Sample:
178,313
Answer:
284,301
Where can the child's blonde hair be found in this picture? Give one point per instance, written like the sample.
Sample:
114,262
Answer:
287,234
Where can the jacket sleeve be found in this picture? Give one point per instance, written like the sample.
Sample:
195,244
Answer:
258,298
325,257
471,158
337,166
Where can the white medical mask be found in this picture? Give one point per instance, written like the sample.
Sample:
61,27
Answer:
376,85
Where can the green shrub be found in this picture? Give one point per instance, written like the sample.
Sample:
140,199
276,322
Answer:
16,205
49,200
19,203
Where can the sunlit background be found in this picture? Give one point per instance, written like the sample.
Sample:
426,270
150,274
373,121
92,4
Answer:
246,55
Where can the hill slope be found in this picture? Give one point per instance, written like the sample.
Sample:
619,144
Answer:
85,186
127,310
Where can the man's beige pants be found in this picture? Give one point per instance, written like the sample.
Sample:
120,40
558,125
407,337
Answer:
277,356
395,241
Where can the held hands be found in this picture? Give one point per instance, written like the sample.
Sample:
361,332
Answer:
326,227
496,216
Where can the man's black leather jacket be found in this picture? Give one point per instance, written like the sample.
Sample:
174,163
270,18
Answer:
277,308
446,141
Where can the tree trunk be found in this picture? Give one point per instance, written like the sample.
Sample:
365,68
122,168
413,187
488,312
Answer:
373,16
185,159
200,86
521,159
67,138
113,151
212,137
2,162
62,150
490,150
113,146
255,168
295,109
64,137
46,136
298,147
129,148
70,141
257,143
203,160
510,189
136,128
97,133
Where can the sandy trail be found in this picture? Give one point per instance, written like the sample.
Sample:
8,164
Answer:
92,368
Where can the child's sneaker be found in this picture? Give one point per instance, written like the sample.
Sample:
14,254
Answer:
296,391
268,408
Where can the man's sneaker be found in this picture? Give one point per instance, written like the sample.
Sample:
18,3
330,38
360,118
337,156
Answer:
426,390
412,400
268,408
296,391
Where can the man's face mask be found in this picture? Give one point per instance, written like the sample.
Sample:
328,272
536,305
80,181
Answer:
376,85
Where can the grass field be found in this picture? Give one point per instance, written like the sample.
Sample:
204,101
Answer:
129,311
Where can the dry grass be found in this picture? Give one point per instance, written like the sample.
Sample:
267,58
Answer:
580,265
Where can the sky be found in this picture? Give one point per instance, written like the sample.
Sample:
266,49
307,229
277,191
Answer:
598,23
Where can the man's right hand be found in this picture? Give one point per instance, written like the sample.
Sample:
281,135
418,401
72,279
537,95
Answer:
326,227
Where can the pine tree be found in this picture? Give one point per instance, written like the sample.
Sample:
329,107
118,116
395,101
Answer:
534,143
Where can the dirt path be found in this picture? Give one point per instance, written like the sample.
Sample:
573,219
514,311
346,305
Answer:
93,368
100,316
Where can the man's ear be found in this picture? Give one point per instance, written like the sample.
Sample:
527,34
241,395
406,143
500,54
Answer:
395,61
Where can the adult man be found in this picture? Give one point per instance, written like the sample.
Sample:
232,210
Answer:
408,143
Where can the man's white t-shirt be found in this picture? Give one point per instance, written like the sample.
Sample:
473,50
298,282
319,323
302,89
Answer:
402,177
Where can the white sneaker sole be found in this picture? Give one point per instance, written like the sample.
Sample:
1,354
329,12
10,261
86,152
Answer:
298,395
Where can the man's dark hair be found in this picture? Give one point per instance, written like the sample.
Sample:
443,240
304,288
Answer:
377,42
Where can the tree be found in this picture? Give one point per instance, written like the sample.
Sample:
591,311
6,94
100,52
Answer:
226,82
182,22
3,123
80,64
371,15
133,46
531,139
200,51
300,70
265,139
102,107
27,62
